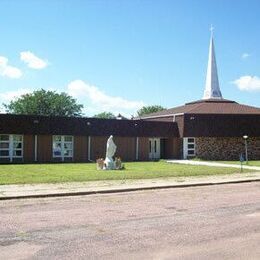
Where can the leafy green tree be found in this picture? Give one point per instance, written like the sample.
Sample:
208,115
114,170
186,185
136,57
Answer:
47,103
149,109
105,115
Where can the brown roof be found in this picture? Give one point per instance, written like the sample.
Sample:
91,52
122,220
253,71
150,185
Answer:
25,124
209,106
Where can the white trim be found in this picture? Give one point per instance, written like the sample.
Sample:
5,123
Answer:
89,148
186,148
137,149
185,152
11,150
177,114
6,149
35,148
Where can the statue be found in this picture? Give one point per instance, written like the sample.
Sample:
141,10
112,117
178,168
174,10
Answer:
110,151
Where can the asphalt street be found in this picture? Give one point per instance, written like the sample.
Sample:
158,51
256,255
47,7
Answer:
210,222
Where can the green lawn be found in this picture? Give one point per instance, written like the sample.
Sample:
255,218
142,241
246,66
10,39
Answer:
54,173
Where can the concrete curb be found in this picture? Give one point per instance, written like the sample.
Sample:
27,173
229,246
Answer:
121,190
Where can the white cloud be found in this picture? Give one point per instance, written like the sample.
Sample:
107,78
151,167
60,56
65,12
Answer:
7,70
245,55
93,99
248,83
100,100
32,60
11,95
6,97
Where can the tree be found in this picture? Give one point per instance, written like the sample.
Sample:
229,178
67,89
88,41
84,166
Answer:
47,103
149,109
105,115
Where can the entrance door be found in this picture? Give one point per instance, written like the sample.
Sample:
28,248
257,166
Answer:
154,148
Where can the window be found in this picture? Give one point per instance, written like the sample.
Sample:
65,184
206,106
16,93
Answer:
191,140
188,147
4,146
191,146
11,146
191,152
62,146
17,146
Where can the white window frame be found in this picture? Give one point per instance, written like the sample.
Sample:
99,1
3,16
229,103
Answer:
5,149
63,142
11,148
186,149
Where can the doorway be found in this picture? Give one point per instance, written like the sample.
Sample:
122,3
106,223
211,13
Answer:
154,148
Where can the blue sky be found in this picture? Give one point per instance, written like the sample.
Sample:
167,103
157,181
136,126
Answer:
119,55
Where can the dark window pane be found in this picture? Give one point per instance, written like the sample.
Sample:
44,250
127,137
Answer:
17,153
4,137
68,146
190,152
57,138
68,153
68,138
4,153
17,145
17,138
190,140
190,146
56,152
4,145
57,149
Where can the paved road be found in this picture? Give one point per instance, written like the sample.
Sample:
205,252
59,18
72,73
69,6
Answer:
213,222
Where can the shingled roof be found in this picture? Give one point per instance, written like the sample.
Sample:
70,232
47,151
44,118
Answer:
207,106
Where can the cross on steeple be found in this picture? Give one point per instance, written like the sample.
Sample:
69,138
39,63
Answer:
211,30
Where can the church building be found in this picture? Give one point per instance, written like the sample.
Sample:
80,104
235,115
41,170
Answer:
211,128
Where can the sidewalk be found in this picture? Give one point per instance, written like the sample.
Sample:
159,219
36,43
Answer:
94,187
214,164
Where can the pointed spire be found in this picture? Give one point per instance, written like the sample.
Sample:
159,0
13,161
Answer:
212,89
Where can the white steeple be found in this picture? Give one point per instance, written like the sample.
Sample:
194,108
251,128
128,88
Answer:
212,89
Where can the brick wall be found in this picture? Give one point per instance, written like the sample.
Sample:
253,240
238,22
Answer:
226,148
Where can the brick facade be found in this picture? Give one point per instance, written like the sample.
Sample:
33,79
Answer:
226,148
